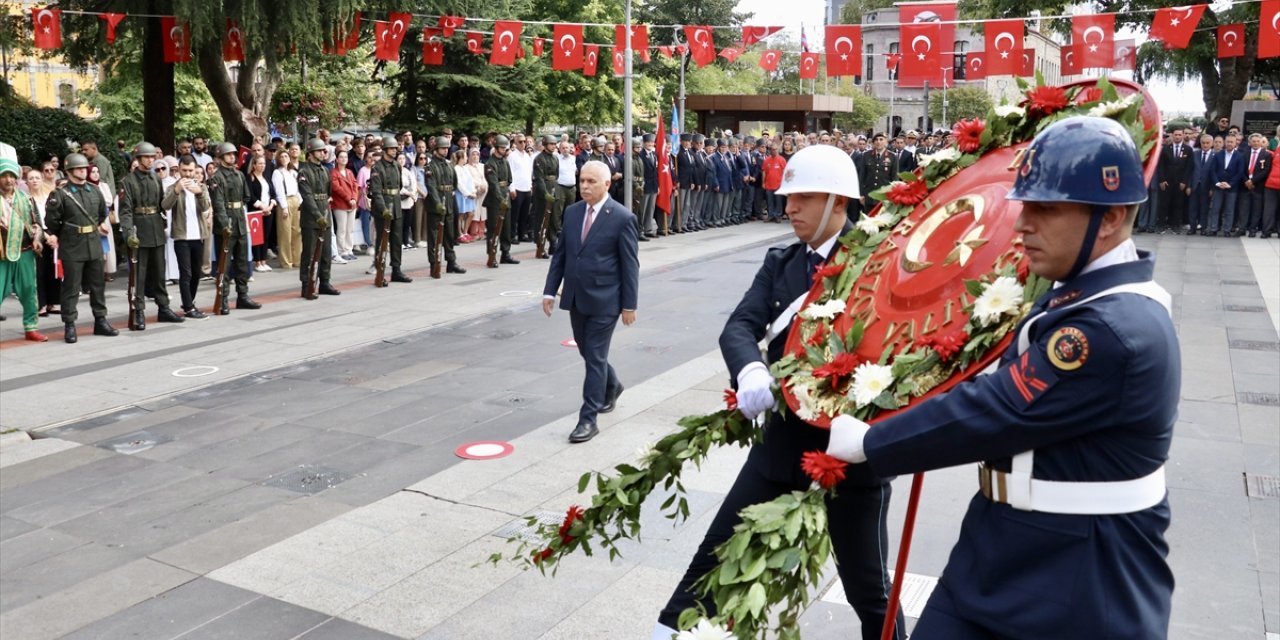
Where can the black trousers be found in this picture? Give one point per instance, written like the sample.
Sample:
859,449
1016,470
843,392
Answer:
48,286
395,245
150,279
238,269
859,537
190,255
522,222
496,228
593,334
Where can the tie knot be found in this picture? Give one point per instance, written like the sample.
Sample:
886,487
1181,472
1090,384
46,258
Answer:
815,260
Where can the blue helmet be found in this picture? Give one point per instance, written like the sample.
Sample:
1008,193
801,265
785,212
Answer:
1081,159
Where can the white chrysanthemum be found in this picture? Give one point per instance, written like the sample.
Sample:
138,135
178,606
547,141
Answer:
1115,107
705,630
869,381
872,226
1000,297
825,311
1006,110
646,453
950,154
808,409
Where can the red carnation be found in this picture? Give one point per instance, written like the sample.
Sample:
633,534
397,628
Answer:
819,336
968,134
908,193
1092,94
731,399
828,271
946,346
1024,271
1044,101
573,515
838,369
823,469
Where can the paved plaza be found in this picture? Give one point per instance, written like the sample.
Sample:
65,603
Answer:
291,472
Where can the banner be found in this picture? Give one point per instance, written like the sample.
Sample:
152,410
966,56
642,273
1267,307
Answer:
702,46
506,40
1174,25
1096,36
568,48
177,40
1004,41
1231,41
47,27
232,42
844,50
935,23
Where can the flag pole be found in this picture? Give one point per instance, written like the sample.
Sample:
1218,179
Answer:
627,158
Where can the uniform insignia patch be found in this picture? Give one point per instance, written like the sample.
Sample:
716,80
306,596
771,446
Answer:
1068,348
1064,299
789,175
1028,382
1111,178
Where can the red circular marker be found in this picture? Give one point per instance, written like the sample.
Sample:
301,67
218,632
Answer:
484,450
570,342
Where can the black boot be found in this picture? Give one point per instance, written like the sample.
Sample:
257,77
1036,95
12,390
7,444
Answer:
225,309
308,295
454,268
139,320
245,302
102,328
507,259
167,315
399,276
69,333
327,289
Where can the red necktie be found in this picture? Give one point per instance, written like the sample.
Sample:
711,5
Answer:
586,228
1253,159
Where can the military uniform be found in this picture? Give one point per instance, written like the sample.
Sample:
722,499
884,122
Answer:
314,188
546,169
384,196
497,204
637,186
142,217
73,213
442,209
229,192
878,170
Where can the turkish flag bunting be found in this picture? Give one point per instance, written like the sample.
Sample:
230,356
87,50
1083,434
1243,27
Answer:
665,185
769,60
432,46
112,20
730,53
702,46
232,43
1070,60
922,59
891,61
1231,41
1174,25
1126,56
639,37
257,234
680,49
1004,41
975,65
808,66
539,45
665,50
475,42
939,20
353,36
448,24
590,59
1028,69
752,35
388,36
1269,30
506,40
177,40
47,25
1096,35
619,61
844,50
568,50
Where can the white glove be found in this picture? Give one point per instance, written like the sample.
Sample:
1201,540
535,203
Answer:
847,433
755,390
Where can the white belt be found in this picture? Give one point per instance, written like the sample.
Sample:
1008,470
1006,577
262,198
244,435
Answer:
782,322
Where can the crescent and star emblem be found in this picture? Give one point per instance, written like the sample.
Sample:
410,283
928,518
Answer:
568,48
844,53
976,63
702,37
1004,53
507,37
1230,38
1093,46
928,46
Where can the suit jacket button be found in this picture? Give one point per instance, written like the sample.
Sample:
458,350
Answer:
776,304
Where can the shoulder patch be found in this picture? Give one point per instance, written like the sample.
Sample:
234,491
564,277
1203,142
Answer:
1068,348
1026,381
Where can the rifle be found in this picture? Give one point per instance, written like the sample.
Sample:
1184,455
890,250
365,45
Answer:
542,228
313,269
133,288
437,251
380,260
223,255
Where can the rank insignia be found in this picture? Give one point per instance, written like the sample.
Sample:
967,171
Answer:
1111,178
1070,296
1068,348
789,175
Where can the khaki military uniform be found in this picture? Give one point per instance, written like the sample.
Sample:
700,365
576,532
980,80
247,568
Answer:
73,213
546,168
442,208
229,192
141,216
497,201
384,197
316,220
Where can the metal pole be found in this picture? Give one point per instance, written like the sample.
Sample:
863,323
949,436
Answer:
627,178
893,85
683,58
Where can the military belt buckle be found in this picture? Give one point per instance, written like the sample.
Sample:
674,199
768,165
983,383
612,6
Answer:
993,484
390,192
233,205
502,184
88,228
144,210
446,189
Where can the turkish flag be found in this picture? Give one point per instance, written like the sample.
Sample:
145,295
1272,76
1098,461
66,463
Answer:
665,182
590,59
177,40
680,49
639,37
730,53
752,35
448,24
232,43
702,46
1126,56
975,65
47,25
1069,63
1028,69
619,61
432,46
808,66
666,51
1096,36
892,60
353,36
475,42
922,58
1174,25
1004,41
388,36
568,50
257,234
769,60
539,45
112,19
844,50
1269,30
1231,41
506,40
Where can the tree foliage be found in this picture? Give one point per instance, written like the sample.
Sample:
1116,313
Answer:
962,102
40,132
853,11
118,99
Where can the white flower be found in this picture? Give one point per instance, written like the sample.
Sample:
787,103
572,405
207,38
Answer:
1116,107
705,630
646,453
1006,110
950,154
824,311
869,381
872,226
1000,297
808,409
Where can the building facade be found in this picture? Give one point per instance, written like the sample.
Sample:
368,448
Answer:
45,81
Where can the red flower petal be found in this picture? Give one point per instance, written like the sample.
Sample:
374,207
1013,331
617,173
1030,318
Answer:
968,135
828,271
731,399
908,193
571,516
823,469
840,367
1044,101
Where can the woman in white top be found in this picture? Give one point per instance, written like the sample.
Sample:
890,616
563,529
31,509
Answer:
476,169
408,194
260,194
288,218
464,193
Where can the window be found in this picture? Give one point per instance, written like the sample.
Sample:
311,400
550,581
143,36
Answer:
961,54
67,96
869,69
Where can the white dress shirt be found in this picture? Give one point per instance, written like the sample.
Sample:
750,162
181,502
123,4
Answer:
521,165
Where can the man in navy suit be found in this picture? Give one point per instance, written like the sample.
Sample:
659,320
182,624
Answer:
818,182
1228,180
1257,168
597,261
724,184
1199,187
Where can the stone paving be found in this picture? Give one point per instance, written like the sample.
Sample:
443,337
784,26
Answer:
309,487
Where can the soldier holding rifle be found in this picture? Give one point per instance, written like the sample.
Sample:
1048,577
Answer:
384,197
442,231
317,240
498,202
229,191
546,169
142,223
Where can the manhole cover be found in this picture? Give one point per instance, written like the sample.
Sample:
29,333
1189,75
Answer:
1255,345
134,442
1243,282
515,399
1258,486
520,529
308,479
1245,308
1263,399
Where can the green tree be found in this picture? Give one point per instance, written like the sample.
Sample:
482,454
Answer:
118,100
39,132
853,10
962,102
867,113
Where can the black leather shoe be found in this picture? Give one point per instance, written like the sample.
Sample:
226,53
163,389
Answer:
139,321
225,310
246,303
399,276
507,259
611,402
195,314
453,267
167,315
327,289
583,432
103,328
69,333
643,238
308,295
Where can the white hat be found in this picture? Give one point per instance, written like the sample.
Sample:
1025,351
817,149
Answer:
820,169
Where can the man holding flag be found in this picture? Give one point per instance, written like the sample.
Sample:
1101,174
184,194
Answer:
663,175
647,157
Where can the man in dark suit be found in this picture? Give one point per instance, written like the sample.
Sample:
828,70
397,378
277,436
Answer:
649,158
1172,174
1257,168
686,177
819,179
1228,180
1199,186
597,262
724,184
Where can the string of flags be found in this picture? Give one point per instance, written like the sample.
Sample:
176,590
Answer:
923,28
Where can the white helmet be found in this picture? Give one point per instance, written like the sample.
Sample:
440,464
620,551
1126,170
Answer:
820,168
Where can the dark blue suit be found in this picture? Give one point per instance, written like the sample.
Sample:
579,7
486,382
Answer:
601,277
1107,416
1201,184
856,515
1223,207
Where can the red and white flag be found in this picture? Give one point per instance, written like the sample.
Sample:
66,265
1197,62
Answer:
975,65
1096,36
1069,61
752,35
702,46
448,24
590,59
389,35
1126,56
639,37
769,60
539,45
353,34
1004,43
1175,25
1231,41
1269,29
475,42
46,24
112,20
506,42
730,53
891,61
177,40
257,235
808,66
1028,69
619,56
432,46
844,50
665,51
568,50
922,58
665,182
232,42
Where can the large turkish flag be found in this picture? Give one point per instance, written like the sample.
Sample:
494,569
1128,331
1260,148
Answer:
844,50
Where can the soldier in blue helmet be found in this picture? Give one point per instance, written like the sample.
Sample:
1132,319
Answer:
1064,538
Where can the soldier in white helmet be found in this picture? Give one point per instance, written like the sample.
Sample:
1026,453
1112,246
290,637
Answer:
818,183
